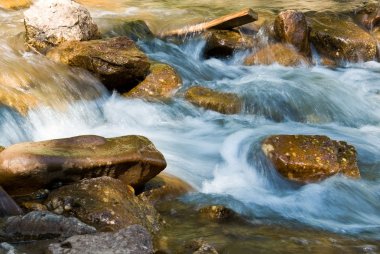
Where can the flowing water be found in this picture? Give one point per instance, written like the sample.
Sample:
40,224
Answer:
218,154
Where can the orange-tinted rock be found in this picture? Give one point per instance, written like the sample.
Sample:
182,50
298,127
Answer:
291,27
305,158
217,212
225,103
35,165
276,53
15,5
161,82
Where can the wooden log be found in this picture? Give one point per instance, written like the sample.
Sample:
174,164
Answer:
223,23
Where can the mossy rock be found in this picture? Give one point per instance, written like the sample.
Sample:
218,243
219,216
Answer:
225,103
310,158
340,39
276,53
34,165
161,82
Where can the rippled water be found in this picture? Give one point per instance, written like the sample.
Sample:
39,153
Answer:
218,154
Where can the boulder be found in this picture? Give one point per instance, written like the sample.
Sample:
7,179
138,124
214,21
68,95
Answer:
30,166
217,212
225,103
42,225
223,43
162,82
340,39
15,5
165,186
105,203
291,27
304,158
117,62
133,29
276,53
133,239
49,23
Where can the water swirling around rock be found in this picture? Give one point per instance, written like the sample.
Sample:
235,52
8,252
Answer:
220,154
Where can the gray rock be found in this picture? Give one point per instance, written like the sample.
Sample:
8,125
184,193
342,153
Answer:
131,240
42,225
48,23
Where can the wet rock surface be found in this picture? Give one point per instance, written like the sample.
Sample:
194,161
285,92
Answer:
133,29
30,166
291,27
200,246
117,62
161,82
339,38
131,240
104,203
42,225
49,23
216,212
276,53
304,158
225,103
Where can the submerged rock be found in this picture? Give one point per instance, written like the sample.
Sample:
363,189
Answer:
339,38
161,82
200,246
276,53
225,103
291,27
133,29
42,225
223,43
15,5
49,23
105,203
133,239
305,158
217,212
30,166
117,62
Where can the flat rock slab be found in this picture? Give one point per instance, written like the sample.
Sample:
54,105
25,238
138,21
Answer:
35,165
117,62
132,240
42,225
310,158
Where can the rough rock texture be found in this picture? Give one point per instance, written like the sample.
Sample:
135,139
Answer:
276,53
164,186
49,23
34,165
291,27
131,240
367,15
217,212
15,5
199,246
161,82
117,61
223,43
42,225
225,103
341,39
304,158
105,203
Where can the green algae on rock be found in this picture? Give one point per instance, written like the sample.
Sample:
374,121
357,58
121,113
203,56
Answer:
117,62
225,103
105,203
161,82
34,165
310,158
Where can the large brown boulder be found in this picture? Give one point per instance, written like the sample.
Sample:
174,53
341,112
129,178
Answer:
276,53
305,158
30,166
225,103
105,203
49,23
339,38
162,82
291,27
117,62
223,43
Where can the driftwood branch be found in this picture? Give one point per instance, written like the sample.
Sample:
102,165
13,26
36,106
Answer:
223,23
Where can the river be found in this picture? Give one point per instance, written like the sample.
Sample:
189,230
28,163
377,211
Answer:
219,155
